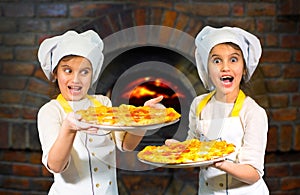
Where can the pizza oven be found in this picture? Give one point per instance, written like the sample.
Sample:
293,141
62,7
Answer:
142,73
140,65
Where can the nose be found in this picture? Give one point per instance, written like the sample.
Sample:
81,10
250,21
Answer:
225,67
75,78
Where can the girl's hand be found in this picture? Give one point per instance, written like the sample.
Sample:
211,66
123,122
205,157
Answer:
155,103
72,122
170,141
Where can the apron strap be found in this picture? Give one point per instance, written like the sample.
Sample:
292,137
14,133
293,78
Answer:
236,108
203,103
67,108
238,104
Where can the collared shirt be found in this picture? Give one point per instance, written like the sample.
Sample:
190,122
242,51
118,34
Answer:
248,132
92,165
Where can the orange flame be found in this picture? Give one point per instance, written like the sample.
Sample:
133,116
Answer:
143,89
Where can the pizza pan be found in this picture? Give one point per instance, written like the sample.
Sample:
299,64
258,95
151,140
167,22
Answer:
184,165
130,128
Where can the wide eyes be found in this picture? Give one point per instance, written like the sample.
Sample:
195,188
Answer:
218,60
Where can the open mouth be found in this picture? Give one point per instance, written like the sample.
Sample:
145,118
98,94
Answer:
226,79
74,88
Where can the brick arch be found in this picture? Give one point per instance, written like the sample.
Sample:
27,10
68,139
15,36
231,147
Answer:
161,27
172,22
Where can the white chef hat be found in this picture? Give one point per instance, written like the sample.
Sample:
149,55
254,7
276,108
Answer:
209,37
87,44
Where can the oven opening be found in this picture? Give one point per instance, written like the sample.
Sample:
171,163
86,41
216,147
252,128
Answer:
142,73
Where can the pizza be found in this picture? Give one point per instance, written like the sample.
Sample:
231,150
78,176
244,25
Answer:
189,151
128,115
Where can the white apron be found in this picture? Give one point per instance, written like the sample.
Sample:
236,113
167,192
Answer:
215,181
91,170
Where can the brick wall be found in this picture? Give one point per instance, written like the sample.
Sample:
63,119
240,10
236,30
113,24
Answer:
24,88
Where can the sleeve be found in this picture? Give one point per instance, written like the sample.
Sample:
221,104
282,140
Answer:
192,132
255,138
49,120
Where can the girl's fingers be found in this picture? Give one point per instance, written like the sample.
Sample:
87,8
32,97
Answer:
153,101
170,141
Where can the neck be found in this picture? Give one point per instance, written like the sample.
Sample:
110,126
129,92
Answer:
227,97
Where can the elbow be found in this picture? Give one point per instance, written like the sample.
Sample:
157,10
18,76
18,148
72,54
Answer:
55,169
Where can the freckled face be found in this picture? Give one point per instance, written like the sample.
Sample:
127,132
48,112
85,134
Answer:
74,75
226,67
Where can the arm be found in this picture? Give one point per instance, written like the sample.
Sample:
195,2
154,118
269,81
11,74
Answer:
243,172
57,139
131,140
250,164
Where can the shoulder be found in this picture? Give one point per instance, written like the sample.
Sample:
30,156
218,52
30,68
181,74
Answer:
251,109
198,99
252,106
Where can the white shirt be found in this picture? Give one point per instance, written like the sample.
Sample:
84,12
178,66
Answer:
92,165
248,132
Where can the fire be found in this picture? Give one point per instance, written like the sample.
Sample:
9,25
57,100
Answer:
144,87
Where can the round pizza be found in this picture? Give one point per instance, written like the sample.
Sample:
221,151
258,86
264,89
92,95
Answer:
128,115
188,151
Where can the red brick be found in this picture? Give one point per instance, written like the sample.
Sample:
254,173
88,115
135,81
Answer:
8,26
26,53
10,97
295,100
277,170
272,142
282,85
35,157
52,10
261,9
290,41
297,139
61,25
19,69
4,135
38,87
16,183
271,40
277,56
41,184
297,56
45,172
6,53
12,83
182,21
279,101
169,18
286,138
156,16
140,17
14,156
33,25
289,7
290,183
10,112
295,169
284,114
18,136
238,9
29,113
26,170
19,39
204,9
271,70
80,10
291,71
14,10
